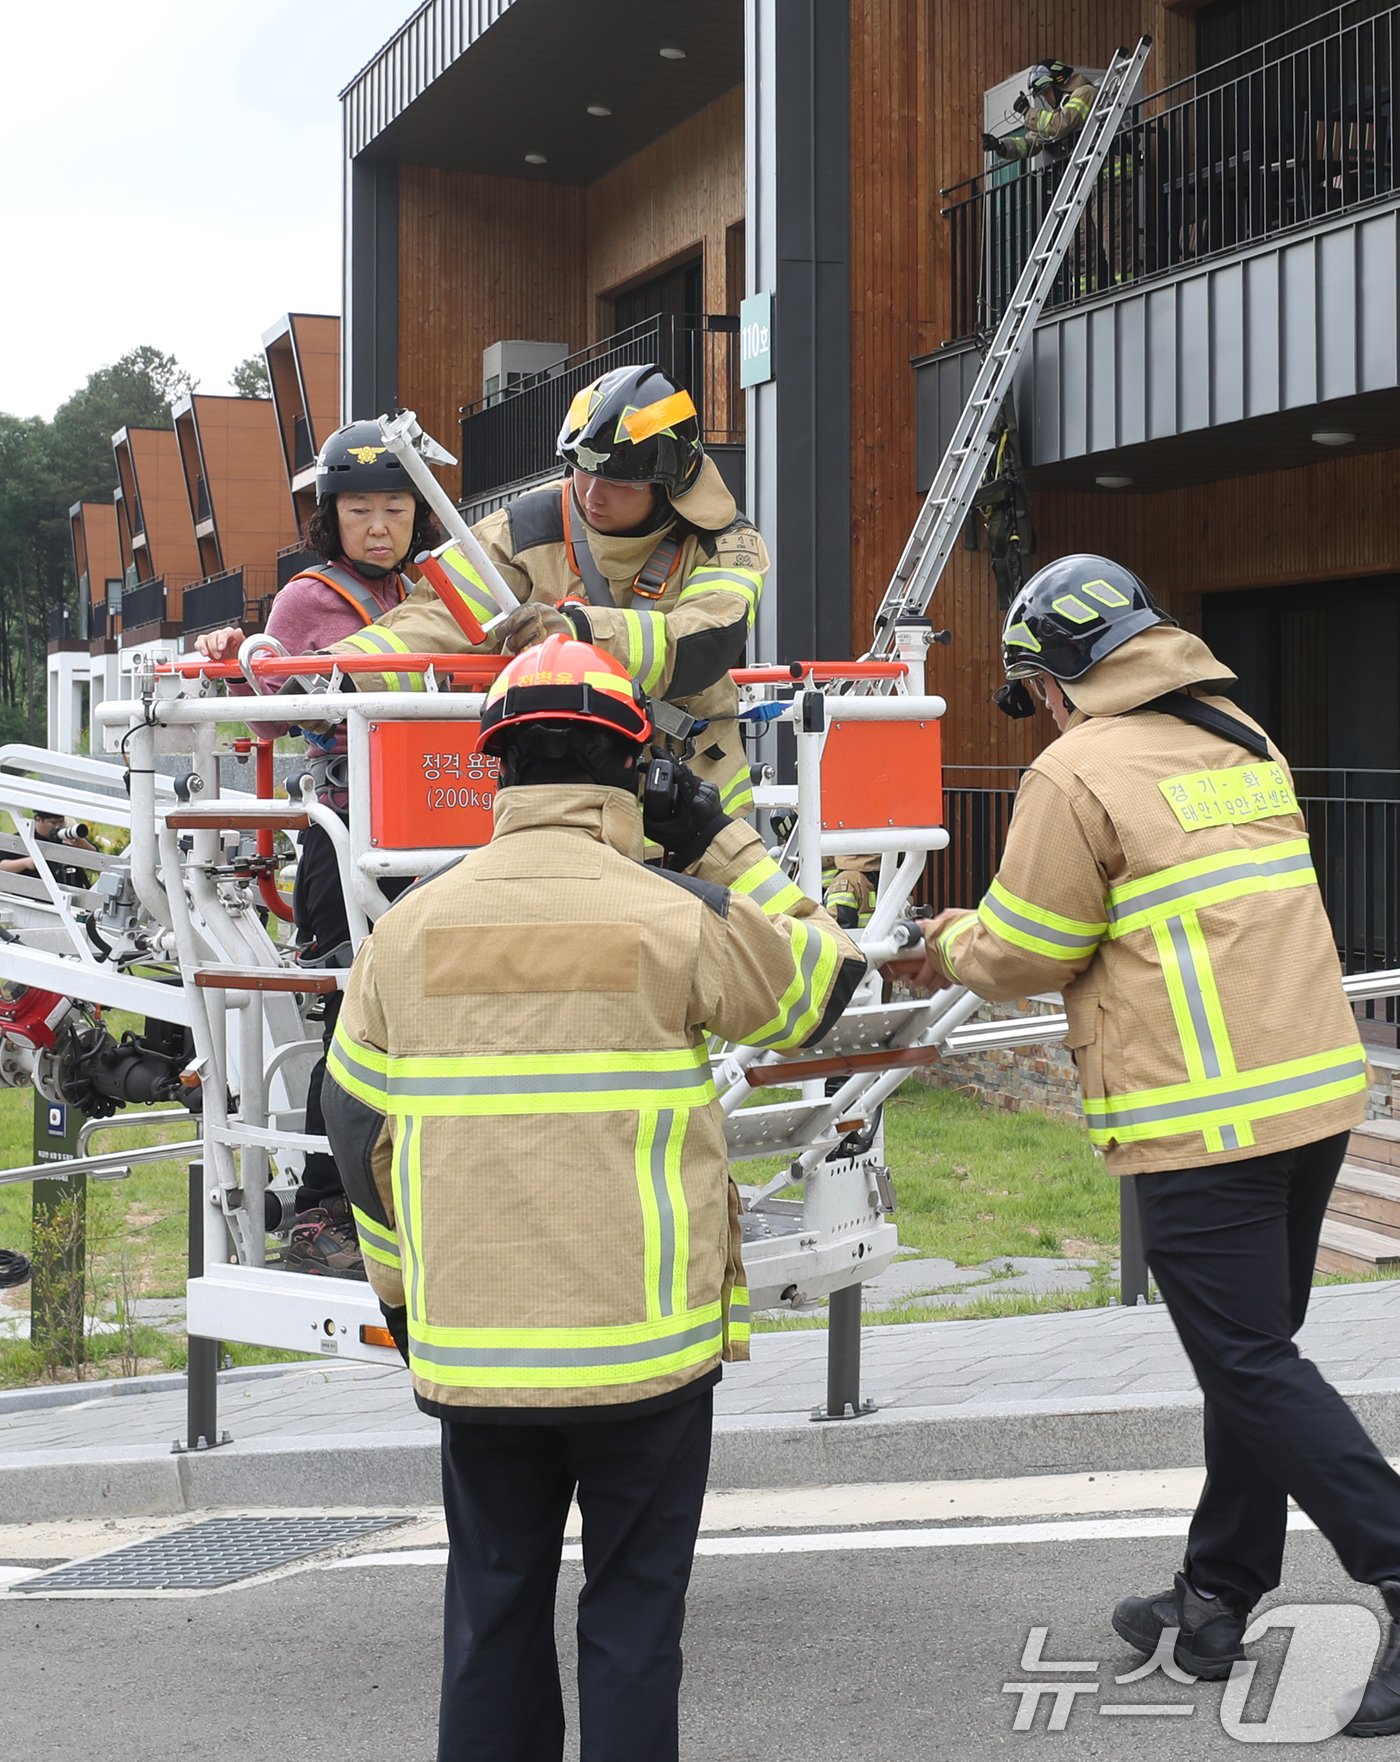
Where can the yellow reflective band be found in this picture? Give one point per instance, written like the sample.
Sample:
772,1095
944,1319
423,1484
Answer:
665,1216
815,958
736,797
646,647
1035,929
466,578
528,1083
747,583
361,1071
1208,881
767,886
562,1358
950,936
376,640
736,1317
642,424
408,1208
1229,1101
376,1243
1231,797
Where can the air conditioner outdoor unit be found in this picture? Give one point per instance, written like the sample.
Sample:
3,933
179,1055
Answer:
510,366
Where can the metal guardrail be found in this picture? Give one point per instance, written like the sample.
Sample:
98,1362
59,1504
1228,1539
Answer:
143,604
1295,130
512,436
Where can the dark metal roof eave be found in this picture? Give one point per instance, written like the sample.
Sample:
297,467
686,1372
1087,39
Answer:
419,52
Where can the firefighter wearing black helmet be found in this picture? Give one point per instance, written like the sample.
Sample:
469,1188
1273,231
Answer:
1157,874
644,541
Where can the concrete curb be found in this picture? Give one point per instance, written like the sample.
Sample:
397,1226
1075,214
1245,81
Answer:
113,1388
968,1442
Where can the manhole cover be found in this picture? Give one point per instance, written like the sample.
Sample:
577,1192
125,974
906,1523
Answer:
219,1551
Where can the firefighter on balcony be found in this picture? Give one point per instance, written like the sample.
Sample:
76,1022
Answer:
1157,874
1060,99
645,542
521,1104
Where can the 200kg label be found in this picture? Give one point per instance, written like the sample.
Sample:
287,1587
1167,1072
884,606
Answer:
444,797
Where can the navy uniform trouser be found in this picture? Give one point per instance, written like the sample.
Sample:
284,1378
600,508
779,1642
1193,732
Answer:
506,1489
1232,1249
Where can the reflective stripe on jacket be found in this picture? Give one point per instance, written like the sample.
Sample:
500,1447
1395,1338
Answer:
521,1107
678,645
1043,127
1160,877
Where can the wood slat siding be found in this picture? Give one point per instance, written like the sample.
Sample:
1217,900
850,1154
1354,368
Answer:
684,191
918,71
486,258
481,259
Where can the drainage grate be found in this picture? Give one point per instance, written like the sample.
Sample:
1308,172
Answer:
207,1555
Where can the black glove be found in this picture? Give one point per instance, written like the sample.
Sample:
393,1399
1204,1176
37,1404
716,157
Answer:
680,812
396,1320
1022,104
990,144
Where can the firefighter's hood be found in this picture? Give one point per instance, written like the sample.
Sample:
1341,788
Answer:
610,816
1164,658
707,504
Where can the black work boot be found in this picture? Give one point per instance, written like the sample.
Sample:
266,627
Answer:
1378,1716
1208,1629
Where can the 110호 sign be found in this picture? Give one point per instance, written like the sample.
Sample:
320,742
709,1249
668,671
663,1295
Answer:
755,339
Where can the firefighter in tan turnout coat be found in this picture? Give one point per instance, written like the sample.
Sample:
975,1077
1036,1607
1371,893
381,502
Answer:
522,1108
1157,874
645,541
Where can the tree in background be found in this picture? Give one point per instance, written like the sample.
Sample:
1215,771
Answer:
44,468
249,379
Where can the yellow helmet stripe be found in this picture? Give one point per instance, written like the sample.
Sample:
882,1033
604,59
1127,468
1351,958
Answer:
641,424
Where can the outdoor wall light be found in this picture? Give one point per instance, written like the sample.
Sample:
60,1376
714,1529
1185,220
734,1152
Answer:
536,159
1333,437
599,110
671,54
1114,482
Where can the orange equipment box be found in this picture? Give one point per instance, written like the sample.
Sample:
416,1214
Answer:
429,786
881,774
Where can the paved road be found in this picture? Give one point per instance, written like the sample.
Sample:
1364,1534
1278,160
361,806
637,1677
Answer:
874,1634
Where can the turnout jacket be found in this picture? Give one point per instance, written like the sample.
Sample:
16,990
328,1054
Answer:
1159,877
678,645
1045,125
520,1103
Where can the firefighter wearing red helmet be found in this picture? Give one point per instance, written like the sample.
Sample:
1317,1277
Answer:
521,1105
642,534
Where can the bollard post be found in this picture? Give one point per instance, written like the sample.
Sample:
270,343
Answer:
202,1368
843,1358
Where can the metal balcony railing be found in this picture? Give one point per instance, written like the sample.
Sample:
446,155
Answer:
1353,820
513,438
235,596
143,605
1288,133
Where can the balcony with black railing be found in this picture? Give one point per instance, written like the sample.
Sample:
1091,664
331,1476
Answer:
234,596
510,439
143,609
1284,136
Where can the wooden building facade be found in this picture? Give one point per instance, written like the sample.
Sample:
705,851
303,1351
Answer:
820,153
